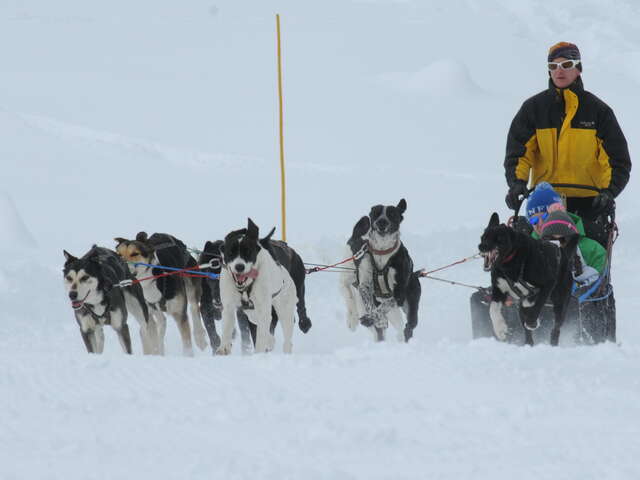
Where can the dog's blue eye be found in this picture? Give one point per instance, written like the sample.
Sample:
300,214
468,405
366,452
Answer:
68,278
84,278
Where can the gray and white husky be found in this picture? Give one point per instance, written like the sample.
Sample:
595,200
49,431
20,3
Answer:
91,285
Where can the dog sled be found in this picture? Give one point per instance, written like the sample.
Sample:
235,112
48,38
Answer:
591,315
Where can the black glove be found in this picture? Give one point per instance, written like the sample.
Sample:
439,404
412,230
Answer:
518,188
603,202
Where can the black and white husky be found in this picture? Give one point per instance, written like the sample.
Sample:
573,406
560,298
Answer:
91,283
385,283
173,293
211,306
253,282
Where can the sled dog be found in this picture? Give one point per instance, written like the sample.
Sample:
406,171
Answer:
285,256
253,282
173,293
529,270
91,284
385,281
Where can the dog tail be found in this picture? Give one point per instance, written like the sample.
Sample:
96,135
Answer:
269,235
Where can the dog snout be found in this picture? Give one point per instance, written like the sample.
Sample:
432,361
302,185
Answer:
382,224
73,295
239,267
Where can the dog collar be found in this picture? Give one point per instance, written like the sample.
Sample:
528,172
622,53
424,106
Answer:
383,252
510,257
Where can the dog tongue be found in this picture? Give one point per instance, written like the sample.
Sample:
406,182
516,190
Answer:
241,277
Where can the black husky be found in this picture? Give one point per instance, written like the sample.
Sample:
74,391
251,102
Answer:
529,270
91,284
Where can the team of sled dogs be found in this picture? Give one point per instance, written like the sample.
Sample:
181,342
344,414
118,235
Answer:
260,282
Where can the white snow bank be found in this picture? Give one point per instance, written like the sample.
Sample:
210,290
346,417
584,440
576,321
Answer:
13,231
452,411
445,77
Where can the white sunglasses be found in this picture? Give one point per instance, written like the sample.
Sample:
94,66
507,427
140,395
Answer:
566,65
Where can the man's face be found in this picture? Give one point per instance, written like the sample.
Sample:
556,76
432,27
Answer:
563,78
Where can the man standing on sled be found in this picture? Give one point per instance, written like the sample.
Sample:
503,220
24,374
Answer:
566,135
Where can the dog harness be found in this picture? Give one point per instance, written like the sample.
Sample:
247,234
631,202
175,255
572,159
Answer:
245,293
381,288
106,315
521,288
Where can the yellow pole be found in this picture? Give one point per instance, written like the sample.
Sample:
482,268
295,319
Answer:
282,175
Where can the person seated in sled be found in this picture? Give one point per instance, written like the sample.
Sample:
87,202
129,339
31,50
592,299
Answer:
592,256
549,220
567,135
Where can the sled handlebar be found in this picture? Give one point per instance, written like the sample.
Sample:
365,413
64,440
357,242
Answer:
579,187
557,185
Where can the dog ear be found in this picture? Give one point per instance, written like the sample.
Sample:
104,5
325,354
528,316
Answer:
269,235
119,240
362,227
495,220
213,248
142,237
402,206
252,230
68,256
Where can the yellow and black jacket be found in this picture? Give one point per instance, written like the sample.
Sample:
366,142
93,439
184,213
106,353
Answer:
567,136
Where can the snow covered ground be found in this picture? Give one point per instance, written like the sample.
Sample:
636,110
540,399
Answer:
161,116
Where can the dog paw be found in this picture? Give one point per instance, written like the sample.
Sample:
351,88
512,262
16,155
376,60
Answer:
501,331
215,343
382,322
304,324
224,349
201,340
187,351
367,320
408,333
500,328
352,322
531,323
